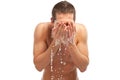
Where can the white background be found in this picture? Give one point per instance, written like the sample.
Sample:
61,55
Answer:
18,19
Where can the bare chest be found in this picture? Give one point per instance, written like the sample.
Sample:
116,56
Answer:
62,62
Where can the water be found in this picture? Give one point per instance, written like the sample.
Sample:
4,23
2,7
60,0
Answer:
51,60
65,40
62,63
60,76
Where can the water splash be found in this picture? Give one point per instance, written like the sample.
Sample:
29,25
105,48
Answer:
62,63
51,64
65,40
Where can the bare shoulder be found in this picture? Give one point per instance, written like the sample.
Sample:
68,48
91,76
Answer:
41,27
40,30
81,31
80,27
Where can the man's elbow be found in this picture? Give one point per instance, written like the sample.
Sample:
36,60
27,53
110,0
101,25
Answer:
83,68
39,68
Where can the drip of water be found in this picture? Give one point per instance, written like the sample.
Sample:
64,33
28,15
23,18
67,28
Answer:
64,63
51,63
64,41
60,77
57,42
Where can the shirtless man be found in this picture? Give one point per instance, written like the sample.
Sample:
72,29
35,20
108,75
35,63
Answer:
60,46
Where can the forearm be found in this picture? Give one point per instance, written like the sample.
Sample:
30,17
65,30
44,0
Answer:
81,61
43,60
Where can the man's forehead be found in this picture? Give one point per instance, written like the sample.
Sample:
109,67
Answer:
65,20
64,15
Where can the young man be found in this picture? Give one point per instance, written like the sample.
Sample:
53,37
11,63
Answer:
60,46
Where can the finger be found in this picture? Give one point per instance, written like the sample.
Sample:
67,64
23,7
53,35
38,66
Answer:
65,32
74,27
71,25
59,30
55,28
69,29
73,30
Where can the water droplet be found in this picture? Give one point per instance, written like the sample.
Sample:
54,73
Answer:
65,48
57,42
52,77
62,71
58,78
64,63
59,49
57,53
61,75
61,62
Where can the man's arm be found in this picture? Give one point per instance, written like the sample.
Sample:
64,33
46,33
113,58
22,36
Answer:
79,52
41,59
41,50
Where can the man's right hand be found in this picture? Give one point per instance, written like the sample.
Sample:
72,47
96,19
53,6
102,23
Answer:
63,31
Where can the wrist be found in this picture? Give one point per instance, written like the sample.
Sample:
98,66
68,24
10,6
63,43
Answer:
55,45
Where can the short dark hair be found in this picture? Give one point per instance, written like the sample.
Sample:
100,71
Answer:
63,7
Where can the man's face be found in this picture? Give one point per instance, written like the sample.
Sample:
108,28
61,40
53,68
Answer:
68,17
64,24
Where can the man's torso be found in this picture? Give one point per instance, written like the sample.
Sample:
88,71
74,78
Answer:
63,66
